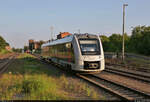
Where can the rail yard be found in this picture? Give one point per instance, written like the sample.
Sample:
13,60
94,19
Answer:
75,50
6,61
115,82
73,67
121,89
73,59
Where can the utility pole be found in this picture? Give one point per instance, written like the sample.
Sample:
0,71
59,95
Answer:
124,5
79,31
51,28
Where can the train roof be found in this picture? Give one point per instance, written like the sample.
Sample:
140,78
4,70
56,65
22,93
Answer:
59,41
69,39
85,36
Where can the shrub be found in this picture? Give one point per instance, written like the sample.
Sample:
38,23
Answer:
29,86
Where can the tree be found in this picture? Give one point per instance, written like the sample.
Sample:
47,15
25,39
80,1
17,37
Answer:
3,43
19,50
127,42
105,42
140,40
115,43
41,42
25,48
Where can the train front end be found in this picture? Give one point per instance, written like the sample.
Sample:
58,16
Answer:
89,55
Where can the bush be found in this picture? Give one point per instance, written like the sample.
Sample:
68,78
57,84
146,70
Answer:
3,51
29,86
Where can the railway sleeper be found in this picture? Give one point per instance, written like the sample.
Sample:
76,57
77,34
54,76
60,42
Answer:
121,90
139,97
116,88
139,78
134,95
126,91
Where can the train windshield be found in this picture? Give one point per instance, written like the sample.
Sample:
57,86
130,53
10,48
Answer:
89,46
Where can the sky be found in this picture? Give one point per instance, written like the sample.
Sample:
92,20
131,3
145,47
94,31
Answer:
21,20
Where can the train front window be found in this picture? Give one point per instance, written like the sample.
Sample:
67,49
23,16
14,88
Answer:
89,46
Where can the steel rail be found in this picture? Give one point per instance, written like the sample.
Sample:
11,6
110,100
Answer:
102,84
120,90
129,75
142,69
129,72
5,65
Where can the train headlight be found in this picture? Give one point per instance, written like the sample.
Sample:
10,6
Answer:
91,65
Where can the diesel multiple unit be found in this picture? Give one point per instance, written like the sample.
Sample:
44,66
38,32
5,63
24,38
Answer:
78,52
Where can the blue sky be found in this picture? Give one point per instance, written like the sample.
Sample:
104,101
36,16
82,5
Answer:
21,20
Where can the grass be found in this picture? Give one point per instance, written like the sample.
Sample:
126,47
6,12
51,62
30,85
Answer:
29,87
138,62
133,61
29,79
4,51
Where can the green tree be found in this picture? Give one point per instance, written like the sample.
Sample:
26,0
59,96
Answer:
105,42
25,48
127,42
3,43
140,40
19,50
115,43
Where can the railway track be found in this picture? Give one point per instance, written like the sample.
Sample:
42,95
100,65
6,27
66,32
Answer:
5,63
142,69
138,76
120,90
129,55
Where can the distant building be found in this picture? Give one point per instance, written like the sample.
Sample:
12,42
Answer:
8,48
63,34
37,45
31,44
31,41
